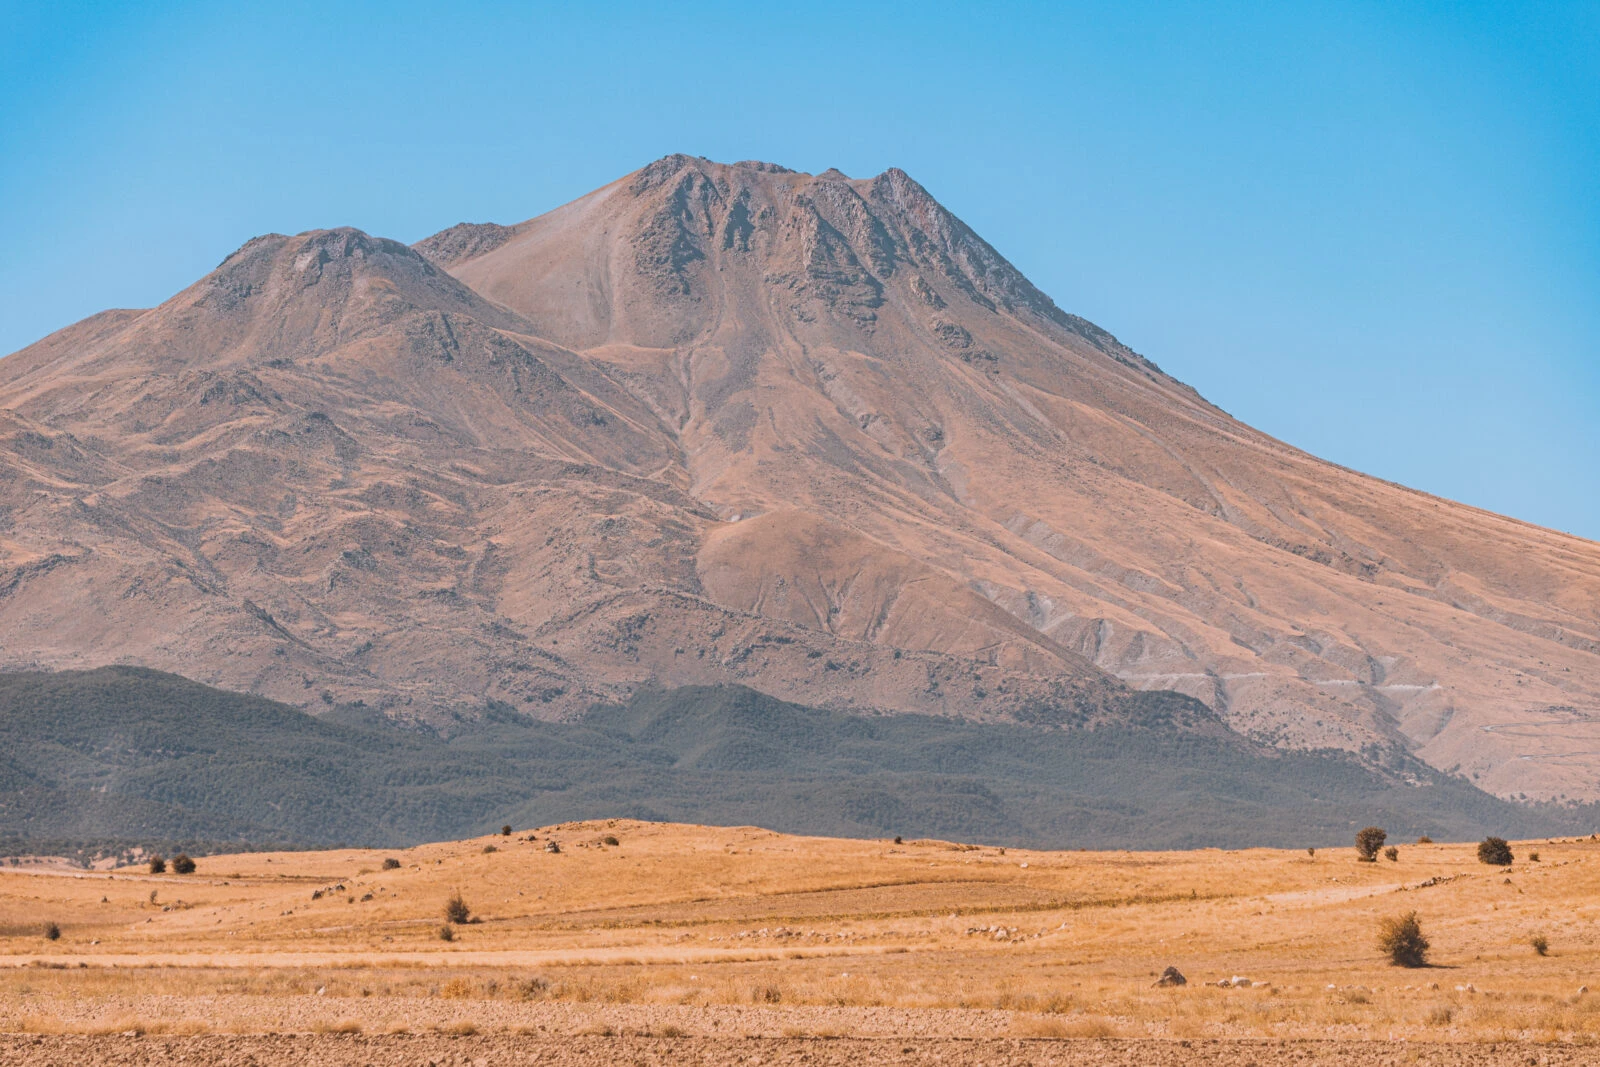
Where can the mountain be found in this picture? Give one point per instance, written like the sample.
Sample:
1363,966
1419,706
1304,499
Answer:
733,424
100,762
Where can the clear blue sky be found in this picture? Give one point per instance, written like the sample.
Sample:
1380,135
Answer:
1371,229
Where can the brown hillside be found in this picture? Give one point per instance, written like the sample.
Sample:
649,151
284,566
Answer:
734,423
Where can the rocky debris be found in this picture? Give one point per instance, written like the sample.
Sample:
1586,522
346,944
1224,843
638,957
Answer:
552,846
1004,933
1171,977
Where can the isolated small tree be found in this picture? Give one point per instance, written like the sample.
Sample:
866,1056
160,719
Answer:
1391,854
52,932
456,910
182,864
1401,940
158,865
505,831
1495,852
391,864
1368,842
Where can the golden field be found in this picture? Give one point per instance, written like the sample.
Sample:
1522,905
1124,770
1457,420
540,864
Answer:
689,929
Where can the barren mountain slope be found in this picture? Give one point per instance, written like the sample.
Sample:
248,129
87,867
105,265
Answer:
733,423
330,472
859,379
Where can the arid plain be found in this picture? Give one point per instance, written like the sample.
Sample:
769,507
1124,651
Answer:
690,943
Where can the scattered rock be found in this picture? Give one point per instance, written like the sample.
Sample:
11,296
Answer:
1171,977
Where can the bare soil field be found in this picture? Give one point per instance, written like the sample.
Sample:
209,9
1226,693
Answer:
646,1051
654,943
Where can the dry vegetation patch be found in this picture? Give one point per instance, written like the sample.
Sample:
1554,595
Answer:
711,931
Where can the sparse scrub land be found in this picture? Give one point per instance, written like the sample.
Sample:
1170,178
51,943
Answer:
215,768
736,930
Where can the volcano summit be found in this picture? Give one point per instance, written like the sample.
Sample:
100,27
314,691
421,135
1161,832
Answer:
733,423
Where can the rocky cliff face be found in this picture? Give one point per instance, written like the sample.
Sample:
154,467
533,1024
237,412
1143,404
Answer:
735,423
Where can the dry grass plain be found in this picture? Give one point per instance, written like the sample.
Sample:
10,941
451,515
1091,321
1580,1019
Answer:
721,942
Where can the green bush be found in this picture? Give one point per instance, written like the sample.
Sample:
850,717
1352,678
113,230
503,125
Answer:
158,865
1401,940
182,864
1495,852
1368,842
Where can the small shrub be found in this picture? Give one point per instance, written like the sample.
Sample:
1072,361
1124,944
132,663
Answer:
158,865
1533,857
897,840
489,848
1311,852
1495,852
1368,842
447,933
391,864
768,994
1440,1016
1401,940
52,932
610,840
1424,840
182,864
505,831
1391,854
456,910
1540,943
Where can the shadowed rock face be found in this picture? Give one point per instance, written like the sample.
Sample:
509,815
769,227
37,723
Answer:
736,423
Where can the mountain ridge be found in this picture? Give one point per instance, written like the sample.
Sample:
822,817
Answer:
727,423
